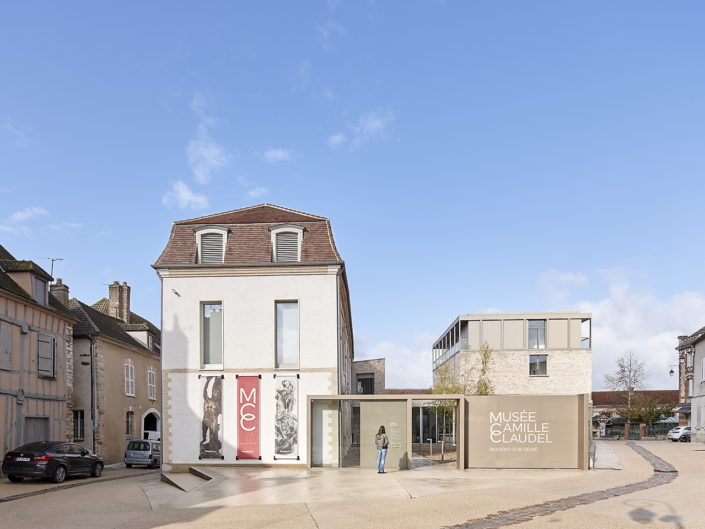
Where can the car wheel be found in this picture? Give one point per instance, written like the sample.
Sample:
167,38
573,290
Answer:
59,474
128,465
674,440
97,470
15,479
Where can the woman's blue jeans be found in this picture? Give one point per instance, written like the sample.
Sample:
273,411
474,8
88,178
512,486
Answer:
381,456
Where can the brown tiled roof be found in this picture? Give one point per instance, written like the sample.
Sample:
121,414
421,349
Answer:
93,322
249,240
617,398
137,322
255,215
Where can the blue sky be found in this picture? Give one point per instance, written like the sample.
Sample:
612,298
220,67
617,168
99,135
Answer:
472,156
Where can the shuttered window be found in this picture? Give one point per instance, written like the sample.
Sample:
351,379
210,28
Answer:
151,385
211,248
287,247
129,380
5,346
46,356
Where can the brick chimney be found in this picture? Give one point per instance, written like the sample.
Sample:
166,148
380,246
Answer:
60,292
119,301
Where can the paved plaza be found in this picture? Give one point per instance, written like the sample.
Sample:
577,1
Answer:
429,497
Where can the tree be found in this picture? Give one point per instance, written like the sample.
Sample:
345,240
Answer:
484,385
446,381
629,376
644,409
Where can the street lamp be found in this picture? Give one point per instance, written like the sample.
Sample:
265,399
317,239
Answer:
672,371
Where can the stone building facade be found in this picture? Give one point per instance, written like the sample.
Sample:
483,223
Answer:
368,376
117,395
691,350
36,369
532,353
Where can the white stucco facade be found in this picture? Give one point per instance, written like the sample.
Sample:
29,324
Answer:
248,297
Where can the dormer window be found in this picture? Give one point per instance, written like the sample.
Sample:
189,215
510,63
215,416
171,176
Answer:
286,243
210,245
39,290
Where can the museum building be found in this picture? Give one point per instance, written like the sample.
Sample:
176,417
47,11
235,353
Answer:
255,318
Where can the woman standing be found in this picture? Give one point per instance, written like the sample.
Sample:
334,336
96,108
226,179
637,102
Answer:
382,442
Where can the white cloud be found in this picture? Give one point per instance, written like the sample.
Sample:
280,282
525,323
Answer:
64,226
257,192
20,137
371,126
406,367
15,230
181,195
630,319
205,155
276,155
328,30
336,140
254,191
26,214
558,285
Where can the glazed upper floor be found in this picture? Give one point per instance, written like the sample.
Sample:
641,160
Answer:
514,332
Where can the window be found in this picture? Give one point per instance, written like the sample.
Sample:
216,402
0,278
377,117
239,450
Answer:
286,244
46,356
366,384
212,334
210,245
5,346
150,342
702,365
537,334
151,385
691,387
537,365
287,330
129,380
130,423
78,431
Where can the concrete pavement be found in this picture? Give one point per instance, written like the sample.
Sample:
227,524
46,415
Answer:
330,498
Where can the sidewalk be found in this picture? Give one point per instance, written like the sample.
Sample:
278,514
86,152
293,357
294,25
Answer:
428,497
31,487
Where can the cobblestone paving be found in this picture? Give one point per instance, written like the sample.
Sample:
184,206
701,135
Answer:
663,473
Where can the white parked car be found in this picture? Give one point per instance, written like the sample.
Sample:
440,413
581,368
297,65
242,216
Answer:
675,434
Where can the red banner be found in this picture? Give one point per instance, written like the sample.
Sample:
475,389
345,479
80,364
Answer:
248,417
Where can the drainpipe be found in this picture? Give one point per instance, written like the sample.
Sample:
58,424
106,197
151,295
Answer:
93,410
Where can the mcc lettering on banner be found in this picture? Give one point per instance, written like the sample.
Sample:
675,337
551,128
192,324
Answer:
248,417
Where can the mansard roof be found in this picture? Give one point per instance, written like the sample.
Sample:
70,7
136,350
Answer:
249,238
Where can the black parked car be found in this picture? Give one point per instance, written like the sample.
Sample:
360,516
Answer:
685,438
50,459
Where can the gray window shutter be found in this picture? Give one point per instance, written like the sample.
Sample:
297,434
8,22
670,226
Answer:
211,248
45,356
5,346
287,247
